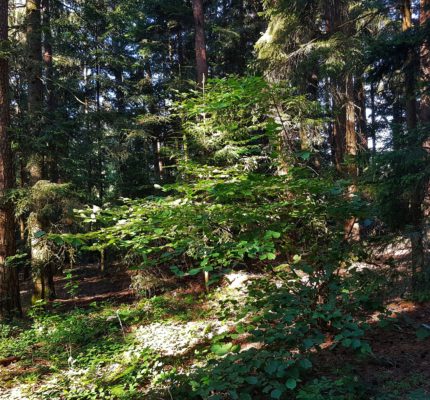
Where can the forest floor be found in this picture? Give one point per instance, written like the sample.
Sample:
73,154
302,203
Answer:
103,335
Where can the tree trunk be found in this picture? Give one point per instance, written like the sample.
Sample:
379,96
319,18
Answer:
410,93
200,43
334,20
42,273
53,162
425,64
42,270
9,285
361,117
417,250
352,227
34,80
424,116
373,110
34,50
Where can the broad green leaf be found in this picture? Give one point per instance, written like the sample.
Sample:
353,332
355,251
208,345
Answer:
276,394
291,384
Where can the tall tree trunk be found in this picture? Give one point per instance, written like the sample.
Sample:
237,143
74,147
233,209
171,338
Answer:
361,117
200,42
9,285
156,140
424,116
373,110
417,249
53,162
35,85
43,287
410,79
344,129
335,17
352,227
100,155
425,64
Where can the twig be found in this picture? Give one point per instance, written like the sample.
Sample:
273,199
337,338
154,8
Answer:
120,323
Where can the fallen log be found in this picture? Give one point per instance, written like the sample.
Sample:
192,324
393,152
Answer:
7,361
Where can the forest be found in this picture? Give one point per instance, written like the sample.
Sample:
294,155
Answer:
215,199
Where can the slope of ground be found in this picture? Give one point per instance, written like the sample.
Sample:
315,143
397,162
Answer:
105,344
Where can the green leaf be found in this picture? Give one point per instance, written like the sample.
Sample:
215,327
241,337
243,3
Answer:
305,363
297,259
39,234
221,349
423,333
271,367
291,384
194,271
272,234
276,394
346,342
252,380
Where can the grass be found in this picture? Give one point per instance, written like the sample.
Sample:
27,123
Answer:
92,340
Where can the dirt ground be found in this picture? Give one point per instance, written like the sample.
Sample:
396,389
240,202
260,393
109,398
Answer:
113,284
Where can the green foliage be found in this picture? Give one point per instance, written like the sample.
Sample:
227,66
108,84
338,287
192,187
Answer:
326,389
288,325
236,218
241,121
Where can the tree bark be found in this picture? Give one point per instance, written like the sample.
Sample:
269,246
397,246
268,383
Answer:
9,284
53,163
352,227
424,116
373,109
361,117
200,42
410,78
35,84
43,283
42,269
425,64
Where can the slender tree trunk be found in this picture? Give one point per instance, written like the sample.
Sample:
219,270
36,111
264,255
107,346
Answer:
156,140
34,80
120,98
373,110
410,78
200,42
180,52
361,117
424,116
335,17
53,162
352,227
9,284
425,65
43,287
417,250
100,158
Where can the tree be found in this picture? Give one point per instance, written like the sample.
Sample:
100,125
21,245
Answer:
43,283
9,285
35,84
410,76
424,116
425,63
200,42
